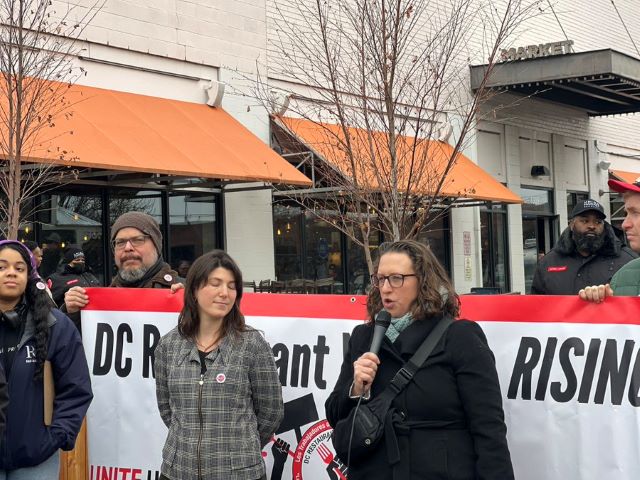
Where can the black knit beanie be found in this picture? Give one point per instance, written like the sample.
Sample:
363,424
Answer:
72,253
143,222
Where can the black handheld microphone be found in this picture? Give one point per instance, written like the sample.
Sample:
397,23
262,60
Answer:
382,323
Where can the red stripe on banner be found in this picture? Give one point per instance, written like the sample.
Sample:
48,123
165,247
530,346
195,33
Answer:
134,299
343,307
485,308
549,309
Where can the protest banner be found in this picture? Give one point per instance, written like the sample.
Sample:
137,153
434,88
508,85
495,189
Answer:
569,373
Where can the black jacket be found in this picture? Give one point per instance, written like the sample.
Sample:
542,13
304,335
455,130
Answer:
51,258
455,396
563,271
4,400
61,282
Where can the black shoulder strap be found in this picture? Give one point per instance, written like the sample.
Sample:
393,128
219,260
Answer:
406,373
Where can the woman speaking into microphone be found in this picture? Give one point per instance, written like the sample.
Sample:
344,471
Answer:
446,421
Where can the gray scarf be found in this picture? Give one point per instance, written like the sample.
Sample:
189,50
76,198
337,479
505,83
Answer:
398,325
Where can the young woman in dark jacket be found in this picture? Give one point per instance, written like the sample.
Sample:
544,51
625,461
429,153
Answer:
32,332
449,423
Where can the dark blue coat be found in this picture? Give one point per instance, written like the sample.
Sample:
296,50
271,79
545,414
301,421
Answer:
27,441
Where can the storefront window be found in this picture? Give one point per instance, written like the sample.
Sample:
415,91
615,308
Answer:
493,234
76,219
309,248
536,200
287,234
192,228
437,237
323,250
539,228
123,201
357,268
188,221
26,229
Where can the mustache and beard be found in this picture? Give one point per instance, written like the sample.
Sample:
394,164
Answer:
132,274
590,243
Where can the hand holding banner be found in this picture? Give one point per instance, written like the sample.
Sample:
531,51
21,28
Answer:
569,373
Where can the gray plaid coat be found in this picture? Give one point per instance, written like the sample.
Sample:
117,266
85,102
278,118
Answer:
218,428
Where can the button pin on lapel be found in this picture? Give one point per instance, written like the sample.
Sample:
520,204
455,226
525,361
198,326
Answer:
220,378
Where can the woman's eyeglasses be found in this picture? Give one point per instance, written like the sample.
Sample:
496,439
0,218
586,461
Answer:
396,280
137,241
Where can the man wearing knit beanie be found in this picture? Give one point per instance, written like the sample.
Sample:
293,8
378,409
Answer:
136,241
143,222
74,274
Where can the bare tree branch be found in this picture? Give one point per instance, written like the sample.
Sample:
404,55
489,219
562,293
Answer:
379,80
38,46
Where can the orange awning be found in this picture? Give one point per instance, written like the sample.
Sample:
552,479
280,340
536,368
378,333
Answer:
430,158
136,133
629,177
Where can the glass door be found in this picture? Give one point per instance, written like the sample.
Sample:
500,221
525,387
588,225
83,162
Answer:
539,229
538,237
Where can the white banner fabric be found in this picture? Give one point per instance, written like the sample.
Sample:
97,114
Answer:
570,393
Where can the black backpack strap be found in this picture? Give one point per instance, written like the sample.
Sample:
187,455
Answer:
406,373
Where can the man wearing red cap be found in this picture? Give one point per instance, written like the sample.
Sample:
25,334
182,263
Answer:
626,282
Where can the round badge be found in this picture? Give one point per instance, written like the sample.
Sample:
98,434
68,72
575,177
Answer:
40,286
220,378
168,277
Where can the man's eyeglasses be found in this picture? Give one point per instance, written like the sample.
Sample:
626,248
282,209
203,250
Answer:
396,280
121,243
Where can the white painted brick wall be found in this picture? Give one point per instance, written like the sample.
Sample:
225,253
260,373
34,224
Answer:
227,33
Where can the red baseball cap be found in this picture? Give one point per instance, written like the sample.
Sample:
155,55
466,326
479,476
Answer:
623,187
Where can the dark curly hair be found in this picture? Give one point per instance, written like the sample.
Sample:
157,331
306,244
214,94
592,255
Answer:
198,276
37,302
436,295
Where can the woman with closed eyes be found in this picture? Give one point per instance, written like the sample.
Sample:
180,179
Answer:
217,386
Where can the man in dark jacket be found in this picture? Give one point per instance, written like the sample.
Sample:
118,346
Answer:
51,255
73,274
587,253
136,240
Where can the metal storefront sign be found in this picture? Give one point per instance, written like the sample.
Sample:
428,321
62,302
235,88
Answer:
536,51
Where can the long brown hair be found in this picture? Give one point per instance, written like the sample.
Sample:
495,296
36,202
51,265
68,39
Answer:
435,295
189,319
